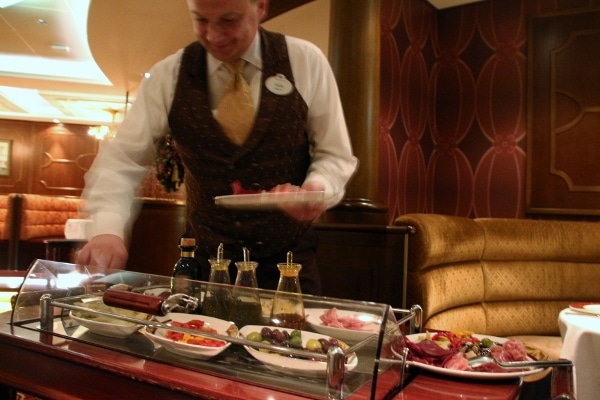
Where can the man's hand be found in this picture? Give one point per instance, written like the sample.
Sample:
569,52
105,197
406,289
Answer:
302,212
107,251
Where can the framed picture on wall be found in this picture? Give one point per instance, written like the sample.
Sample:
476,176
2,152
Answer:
5,156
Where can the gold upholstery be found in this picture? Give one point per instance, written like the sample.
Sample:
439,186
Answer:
3,215
41,216
501,277
33,218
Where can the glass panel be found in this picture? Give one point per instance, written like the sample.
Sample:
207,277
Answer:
52,292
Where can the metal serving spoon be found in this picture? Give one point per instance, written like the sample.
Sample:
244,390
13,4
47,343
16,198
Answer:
478,361
562,373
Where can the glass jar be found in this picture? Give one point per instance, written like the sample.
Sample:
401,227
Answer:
246,308
288,308
217,298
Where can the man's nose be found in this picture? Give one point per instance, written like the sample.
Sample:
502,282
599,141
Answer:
213,32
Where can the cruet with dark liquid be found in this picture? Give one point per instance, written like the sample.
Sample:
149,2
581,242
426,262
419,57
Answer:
217,298
246,308
288,308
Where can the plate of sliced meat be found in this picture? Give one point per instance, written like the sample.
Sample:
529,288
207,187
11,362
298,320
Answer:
346,325
587,308
448,353
269,200
243,198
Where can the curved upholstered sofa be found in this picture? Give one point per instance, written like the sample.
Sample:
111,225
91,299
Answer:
501,277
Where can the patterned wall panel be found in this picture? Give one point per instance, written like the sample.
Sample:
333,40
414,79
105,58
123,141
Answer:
62,156
389,106
564,171
466,68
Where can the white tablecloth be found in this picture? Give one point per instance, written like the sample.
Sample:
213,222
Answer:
581,344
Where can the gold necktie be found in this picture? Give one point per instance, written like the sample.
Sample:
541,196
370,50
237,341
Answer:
235,112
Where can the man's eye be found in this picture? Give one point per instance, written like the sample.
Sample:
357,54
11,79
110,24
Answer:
230,20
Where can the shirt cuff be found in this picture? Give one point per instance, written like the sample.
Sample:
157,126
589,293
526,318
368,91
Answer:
107,223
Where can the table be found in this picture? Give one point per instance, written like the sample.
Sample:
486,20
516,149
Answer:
58,368
581,344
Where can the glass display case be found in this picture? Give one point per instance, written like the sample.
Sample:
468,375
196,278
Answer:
343,347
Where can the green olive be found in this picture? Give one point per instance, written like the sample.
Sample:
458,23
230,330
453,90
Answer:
296,341
313,345
254,337
265,350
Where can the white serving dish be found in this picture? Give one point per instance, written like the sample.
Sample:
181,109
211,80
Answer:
290,365
269,200
468,374
372,324
193,350
118,329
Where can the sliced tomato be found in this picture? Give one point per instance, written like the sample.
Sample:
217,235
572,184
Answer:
197,325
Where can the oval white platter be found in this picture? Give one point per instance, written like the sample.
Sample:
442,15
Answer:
372,324
268,200
290,365
468,374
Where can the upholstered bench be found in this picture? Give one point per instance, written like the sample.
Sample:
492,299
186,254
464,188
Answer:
31,220
501,277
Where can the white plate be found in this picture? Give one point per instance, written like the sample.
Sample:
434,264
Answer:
192,350
467,374
372,324
289,365
587,307
118,329
269,200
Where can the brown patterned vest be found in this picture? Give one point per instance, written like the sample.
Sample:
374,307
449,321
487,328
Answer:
277,151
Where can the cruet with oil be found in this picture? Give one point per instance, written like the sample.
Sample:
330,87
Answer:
246,308
288,308
217,298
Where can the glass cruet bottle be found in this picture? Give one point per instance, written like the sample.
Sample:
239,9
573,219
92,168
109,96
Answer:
217,298
246,308
288,308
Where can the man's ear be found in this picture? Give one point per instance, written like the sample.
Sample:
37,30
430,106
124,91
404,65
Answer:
263,9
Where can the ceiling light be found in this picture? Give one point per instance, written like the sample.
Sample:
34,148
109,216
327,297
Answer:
104,132
61,47
8,3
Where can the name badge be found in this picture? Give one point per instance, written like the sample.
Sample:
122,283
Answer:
279,85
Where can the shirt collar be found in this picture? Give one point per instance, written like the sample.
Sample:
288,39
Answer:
251,55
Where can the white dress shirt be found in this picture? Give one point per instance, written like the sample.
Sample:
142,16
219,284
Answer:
121,164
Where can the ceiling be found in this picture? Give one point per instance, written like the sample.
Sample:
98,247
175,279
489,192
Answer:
76,60
80,61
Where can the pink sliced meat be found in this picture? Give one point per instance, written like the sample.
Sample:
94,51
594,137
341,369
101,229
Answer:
511,350
332,319
457,361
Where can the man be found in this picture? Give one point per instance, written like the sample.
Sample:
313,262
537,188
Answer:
297,141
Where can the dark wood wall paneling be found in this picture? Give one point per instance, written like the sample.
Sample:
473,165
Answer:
47,158
52,159
564,114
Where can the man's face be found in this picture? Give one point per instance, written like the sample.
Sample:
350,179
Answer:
226,28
